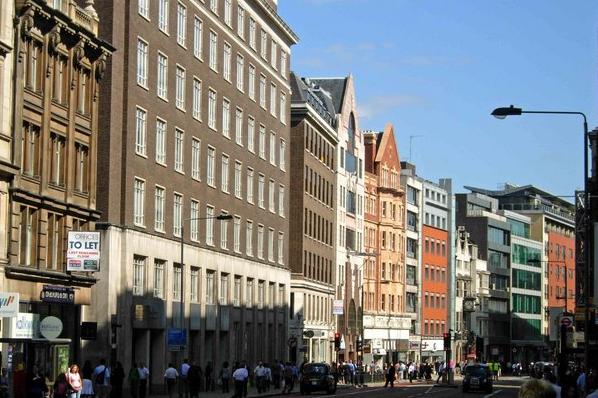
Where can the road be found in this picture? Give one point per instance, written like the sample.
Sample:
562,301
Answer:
507,387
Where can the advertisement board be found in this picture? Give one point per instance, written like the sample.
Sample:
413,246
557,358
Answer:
337,307
9,305
83,251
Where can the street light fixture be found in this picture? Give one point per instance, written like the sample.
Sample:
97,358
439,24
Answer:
502,113
221,216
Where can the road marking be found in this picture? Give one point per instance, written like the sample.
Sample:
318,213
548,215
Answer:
493,394
429,389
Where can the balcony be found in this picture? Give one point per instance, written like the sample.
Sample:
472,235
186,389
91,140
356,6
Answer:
77,14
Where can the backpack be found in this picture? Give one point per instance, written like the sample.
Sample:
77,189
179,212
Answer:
100,377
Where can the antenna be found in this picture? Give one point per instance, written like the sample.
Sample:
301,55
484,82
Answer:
411,137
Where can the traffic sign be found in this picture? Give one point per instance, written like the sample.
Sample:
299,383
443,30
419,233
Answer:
567,321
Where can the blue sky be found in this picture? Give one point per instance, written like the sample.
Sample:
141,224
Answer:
437,68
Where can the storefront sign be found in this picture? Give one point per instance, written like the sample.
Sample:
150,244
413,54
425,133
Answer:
83,253
50,327
9,305
337,307
24,326
432,345
57,294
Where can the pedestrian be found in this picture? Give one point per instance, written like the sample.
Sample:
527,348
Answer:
390,376
581,382
143,379
288,378
116,380
276,373
209,373
37,384
87,370
87,389
240,376
441,370
101,379
536,389
60,387
260,374
225,377
194,377
170,377
183,379
74,380
133,379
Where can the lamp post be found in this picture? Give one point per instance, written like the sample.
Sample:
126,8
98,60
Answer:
221,216
501,113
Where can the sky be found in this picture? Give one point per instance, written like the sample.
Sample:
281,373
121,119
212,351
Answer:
435,69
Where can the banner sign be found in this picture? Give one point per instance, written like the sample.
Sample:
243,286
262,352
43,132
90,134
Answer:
337,307
9,305
57,294
24,326
83,251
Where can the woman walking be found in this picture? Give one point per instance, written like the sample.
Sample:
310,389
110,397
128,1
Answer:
74,381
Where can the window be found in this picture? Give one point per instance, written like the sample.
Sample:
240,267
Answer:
271,192
263,91
226,64
223,233
198,38
280,248
159,209
238,180
240,72
283,64
260,190
57,161
33,73
213,51
140,131
214,6
239,126
179,137
271,245
249,238
283,108
224,176
161,141
282,156
212,109
138,275
228,12
281,200
194,284
195,159
138,202
180,88
159,266
249,292
162,78
163,15
194,220
55,237
251,82
260,241
237,234
226,118
210,225
177,215
177,278
272,149
31,147
181,26
211,164
143,8
241,22
82,168
250,134
210,287
262,142
28,229
250,185
274,55
252,31
264,45
196,98
237,292
142,62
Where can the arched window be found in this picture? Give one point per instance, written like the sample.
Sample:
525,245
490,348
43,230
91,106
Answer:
351,130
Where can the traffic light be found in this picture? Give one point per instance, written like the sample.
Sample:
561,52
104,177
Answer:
447,341
337,341
359,344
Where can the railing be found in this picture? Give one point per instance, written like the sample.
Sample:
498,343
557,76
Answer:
548,209
80,17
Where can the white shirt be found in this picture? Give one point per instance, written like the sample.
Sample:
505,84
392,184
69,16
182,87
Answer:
171,373
99,369
143,373
593,395
185,369
240,374
260,371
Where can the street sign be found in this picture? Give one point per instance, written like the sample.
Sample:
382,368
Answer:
567,321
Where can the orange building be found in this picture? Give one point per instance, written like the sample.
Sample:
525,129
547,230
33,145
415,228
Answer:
561,268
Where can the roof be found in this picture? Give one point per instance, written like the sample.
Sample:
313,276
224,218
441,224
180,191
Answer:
336,86
523,191
305,91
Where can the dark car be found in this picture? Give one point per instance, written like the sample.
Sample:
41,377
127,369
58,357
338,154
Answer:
477,377
317,377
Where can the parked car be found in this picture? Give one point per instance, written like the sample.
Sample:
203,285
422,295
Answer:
317,377
477,377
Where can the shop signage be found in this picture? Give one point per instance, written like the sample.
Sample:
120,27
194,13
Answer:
9,305
432,345
50,327
57,294
83,251
24,326
337,307
177,339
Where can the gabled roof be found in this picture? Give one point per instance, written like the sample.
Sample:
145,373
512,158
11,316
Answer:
386,140
336,86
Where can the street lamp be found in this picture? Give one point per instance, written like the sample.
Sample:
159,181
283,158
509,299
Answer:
501,113
221,216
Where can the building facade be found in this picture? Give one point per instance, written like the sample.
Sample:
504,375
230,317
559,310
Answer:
196,115
386,327
60,61
312,235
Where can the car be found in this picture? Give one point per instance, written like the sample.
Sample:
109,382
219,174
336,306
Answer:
477,377
317,377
